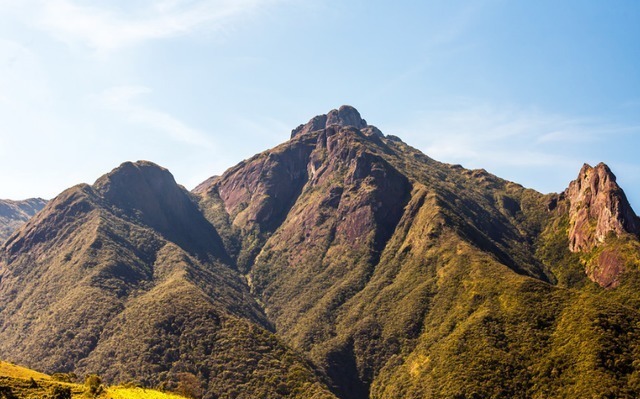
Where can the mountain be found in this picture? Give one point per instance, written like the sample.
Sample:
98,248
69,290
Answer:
342,263
126,278
13,214
405,277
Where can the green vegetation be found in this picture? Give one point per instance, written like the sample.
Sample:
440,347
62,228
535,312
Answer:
14,214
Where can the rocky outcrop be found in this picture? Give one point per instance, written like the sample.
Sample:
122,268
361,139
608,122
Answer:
598,206
346,115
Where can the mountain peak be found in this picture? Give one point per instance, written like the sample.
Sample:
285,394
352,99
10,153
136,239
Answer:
149,193
598,206
346,115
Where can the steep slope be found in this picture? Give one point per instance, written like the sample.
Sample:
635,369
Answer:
127,279
385,265
13,214
596,197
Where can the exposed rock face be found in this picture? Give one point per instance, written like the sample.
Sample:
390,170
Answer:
598,206
13,214
610,265
346,115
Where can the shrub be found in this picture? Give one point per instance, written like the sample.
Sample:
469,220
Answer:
60,392
93,385
189,386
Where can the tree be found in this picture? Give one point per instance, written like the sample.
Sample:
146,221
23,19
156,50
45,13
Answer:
189,386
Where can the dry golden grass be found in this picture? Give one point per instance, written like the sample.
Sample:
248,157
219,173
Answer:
138,393
13,371
16,373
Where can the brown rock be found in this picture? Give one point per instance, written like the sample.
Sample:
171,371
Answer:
608,269
598,206
346,115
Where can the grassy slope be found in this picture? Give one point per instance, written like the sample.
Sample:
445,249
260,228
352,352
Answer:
18,380
11,370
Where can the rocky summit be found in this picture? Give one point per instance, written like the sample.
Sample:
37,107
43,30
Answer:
342,263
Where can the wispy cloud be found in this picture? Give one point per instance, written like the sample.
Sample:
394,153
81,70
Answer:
125,100
105,27
485,135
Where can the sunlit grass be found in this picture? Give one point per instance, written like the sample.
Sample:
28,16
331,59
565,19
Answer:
138,393
13,371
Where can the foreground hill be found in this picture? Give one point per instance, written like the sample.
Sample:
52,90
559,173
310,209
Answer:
13,214
342,263
22,383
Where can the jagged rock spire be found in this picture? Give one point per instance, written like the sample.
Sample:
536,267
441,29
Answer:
598,206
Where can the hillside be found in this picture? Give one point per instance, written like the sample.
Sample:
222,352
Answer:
13,214
342,263
128,280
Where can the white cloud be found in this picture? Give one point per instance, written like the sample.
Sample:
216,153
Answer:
105,27
125,101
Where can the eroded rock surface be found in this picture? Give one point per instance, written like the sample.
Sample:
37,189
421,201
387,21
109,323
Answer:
598,206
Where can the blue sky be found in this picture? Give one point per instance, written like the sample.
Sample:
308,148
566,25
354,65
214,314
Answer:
529,90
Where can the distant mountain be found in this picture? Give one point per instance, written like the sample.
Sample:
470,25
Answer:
341,263
13,214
